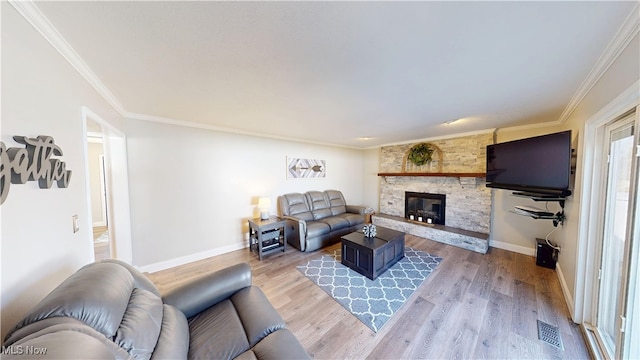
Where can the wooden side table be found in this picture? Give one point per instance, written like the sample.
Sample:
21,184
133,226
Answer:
267,236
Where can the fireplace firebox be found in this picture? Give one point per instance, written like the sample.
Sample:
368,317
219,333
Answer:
425,207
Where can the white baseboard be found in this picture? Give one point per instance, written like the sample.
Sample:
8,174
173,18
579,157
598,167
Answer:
163,265
99,223
511,247
565,290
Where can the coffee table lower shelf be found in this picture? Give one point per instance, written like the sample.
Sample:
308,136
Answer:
372,256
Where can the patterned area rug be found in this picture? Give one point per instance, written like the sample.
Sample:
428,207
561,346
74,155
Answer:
371,301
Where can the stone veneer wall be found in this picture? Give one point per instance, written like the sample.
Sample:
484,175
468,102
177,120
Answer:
468,199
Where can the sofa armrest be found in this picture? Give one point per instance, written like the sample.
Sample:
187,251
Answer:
357,209
296,232
202,293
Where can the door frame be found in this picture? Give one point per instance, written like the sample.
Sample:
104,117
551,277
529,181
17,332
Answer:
628,118
592,202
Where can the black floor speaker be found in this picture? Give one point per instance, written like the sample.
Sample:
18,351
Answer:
545,255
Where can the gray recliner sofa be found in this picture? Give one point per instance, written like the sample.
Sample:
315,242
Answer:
109,310
317,219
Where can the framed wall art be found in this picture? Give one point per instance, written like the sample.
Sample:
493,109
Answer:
298,168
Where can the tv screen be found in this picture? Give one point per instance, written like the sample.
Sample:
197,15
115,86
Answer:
540,164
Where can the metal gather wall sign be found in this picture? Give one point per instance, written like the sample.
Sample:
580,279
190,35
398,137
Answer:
32,163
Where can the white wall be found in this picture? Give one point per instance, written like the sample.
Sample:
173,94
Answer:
192,190
42,95
371,180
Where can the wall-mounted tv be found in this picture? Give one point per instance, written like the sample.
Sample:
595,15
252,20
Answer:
539,165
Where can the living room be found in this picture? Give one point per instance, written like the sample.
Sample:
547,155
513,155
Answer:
191,186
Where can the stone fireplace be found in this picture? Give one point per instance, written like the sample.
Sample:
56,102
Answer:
466,208
425,207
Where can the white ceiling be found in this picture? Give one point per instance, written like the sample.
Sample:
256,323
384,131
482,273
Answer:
332,72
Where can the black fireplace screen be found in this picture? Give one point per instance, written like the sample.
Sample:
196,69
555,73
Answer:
425,207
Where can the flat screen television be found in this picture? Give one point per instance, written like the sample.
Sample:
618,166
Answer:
537,165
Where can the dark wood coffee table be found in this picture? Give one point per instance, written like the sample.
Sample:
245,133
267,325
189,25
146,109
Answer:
372,256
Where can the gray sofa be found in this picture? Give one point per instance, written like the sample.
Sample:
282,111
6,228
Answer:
316,219
109,310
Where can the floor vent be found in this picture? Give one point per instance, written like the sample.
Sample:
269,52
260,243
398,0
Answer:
550,334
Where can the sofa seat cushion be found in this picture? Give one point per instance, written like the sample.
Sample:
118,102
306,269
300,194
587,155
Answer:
233,326
336,222
217,333
353,219
317,228
281,345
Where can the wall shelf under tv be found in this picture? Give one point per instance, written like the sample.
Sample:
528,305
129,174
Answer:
541,197
442,174
558,218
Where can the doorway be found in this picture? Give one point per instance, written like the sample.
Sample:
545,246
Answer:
99,195
107,189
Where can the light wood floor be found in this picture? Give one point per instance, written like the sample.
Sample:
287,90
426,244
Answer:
472,306
101,250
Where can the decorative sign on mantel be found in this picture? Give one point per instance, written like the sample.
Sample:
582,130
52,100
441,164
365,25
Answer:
32,163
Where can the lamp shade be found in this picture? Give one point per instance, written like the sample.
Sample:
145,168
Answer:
264,204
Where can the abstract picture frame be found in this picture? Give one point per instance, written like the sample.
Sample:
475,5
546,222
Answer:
300,168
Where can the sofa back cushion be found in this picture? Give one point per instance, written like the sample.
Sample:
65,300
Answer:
295,204
104,297
140,327
336,202
97,295
139,279
66,342
318,204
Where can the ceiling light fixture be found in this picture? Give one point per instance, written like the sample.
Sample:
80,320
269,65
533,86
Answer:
365,138
451,121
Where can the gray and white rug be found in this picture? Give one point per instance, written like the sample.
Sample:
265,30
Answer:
372,301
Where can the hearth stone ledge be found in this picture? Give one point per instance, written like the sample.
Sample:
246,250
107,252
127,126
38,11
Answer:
469,240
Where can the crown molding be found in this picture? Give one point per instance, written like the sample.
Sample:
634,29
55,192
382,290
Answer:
618,106
29,10
201,126
622,38
545,124
434,138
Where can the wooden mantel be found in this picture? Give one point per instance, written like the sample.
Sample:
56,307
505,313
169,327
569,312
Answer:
444,174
